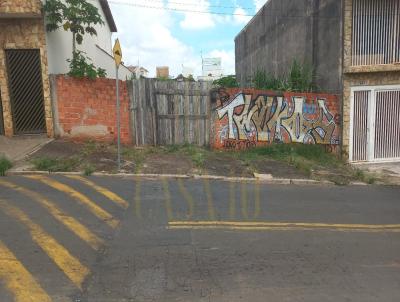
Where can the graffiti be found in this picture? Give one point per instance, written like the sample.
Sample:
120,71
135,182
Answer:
245,121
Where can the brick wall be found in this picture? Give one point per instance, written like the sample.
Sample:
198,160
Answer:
23,34
244,118
87,109
31,7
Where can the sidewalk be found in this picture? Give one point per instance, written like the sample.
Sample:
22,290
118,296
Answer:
18,147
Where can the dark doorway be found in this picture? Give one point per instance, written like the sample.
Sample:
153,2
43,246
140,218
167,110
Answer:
26,91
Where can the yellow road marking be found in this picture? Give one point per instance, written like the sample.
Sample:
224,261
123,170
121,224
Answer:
242,225
245,210
70,265
18,280
71,223
107,193
89,204
187,196
167,194
138,201
211,211
257,202
232,202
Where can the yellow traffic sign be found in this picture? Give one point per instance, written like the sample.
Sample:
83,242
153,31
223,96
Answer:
117,53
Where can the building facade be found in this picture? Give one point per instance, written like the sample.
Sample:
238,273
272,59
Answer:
98,48
24,83
354,48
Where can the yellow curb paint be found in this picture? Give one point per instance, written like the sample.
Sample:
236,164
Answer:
89,204
138,200
67,263
187,196
71,223
167,194
17,280
282,226
210,203
107,193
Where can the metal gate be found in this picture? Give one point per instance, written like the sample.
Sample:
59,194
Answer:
375,124
1,117
26,91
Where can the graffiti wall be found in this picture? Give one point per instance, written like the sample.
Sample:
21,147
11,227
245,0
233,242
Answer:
248,118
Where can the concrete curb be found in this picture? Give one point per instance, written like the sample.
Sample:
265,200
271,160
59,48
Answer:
275,181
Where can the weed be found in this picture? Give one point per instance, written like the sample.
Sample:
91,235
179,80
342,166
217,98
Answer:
88,169
5,165
55,164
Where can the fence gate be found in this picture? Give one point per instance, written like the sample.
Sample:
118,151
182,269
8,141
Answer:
1,117
375,134
26,91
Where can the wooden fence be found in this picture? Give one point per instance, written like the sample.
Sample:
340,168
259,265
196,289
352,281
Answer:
170,112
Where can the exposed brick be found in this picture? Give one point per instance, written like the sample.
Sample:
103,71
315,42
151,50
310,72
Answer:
84,104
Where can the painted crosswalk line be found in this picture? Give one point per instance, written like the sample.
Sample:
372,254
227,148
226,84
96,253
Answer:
67,263
107,193
69,222
81,198
17,279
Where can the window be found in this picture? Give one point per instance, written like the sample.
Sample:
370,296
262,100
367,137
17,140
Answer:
376,32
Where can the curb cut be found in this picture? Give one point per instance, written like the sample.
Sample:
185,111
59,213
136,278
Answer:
274,181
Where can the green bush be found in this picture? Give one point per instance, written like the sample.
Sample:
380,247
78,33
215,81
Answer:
227,82
5,165
300,78
80,67
89,170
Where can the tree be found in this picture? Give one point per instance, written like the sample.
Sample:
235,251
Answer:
77,16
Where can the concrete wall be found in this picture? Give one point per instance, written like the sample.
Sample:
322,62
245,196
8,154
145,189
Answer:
308,30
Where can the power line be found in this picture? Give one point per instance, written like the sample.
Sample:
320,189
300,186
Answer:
179,10
205,6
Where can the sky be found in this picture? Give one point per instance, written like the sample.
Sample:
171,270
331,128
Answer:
162,37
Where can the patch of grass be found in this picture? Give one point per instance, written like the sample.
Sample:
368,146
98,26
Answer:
88,169
197,154
5,164
51,164
364,176
89,147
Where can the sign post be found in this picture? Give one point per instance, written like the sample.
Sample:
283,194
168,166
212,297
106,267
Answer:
118,58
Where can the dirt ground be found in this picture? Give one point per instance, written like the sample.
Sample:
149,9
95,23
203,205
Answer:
89,157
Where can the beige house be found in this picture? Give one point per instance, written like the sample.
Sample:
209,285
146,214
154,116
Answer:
24,83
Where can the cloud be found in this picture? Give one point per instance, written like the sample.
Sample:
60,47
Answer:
146,36
259,3
194,20
241,19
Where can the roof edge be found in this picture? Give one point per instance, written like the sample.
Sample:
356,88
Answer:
110,19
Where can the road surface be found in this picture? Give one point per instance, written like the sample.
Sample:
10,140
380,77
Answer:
106,239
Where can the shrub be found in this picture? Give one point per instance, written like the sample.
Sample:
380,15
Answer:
227,82
80,67
5,165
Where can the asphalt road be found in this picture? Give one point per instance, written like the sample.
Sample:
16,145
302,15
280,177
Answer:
122,239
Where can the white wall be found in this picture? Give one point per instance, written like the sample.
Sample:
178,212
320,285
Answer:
59,47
